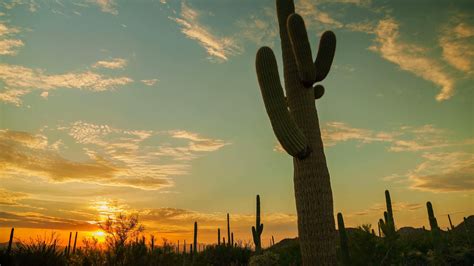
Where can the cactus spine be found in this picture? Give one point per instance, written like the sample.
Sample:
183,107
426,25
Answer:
296,125
257,229
195,237
346,259
228,229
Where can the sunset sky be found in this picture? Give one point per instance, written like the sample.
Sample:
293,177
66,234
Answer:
153,107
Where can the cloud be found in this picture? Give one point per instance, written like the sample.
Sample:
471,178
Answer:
379,208
11,198
114,63
410,57
444,172
149,82
218,48
38,220
9,46
198,143
457,41
314,15
259,29
107,6
19,80
114,157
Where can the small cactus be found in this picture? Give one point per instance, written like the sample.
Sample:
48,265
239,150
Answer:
257,229
343,239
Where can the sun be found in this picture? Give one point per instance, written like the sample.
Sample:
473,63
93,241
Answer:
99,235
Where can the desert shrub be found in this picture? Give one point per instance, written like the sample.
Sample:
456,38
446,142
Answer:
266,259
223,255
39,251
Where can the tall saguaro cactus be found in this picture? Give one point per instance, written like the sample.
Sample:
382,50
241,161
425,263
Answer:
388,223
296,125
257,229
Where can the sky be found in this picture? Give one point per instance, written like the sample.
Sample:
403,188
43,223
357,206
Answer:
153,107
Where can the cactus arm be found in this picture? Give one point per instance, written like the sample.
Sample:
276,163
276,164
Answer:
318,91
327,48
301,50
287,132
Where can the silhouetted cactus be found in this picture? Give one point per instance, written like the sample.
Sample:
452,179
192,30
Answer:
152,243
345,256
195,237
450,222
388,224
74,247
228,229
69,244
232,239
435,231
218,236
257,229
10,242
296,126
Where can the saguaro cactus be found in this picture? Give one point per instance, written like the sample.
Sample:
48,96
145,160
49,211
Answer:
296,125
346,259
450,222
74,247
10,241
218,236
228,229
69,244
388,224
195,236
257,229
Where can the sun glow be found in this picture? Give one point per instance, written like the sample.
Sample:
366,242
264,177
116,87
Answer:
99,235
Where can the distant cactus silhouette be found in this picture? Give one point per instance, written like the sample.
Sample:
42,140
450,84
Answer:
435,231
195,237
388,224
450,222
74,247
228,229
218,236
296,125
343,239
10,241
69,244
257,229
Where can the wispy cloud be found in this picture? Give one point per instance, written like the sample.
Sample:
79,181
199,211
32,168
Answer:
20,80
411,57
115,157
315,15
260,29
114,63
457,41
9,46
444,172
379,208
107,6
149,82
218,48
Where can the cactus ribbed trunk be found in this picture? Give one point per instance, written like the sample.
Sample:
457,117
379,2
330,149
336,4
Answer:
296,125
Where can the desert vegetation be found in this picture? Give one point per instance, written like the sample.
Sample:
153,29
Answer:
128,243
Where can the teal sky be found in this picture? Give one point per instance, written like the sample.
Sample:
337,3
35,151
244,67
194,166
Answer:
154,107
